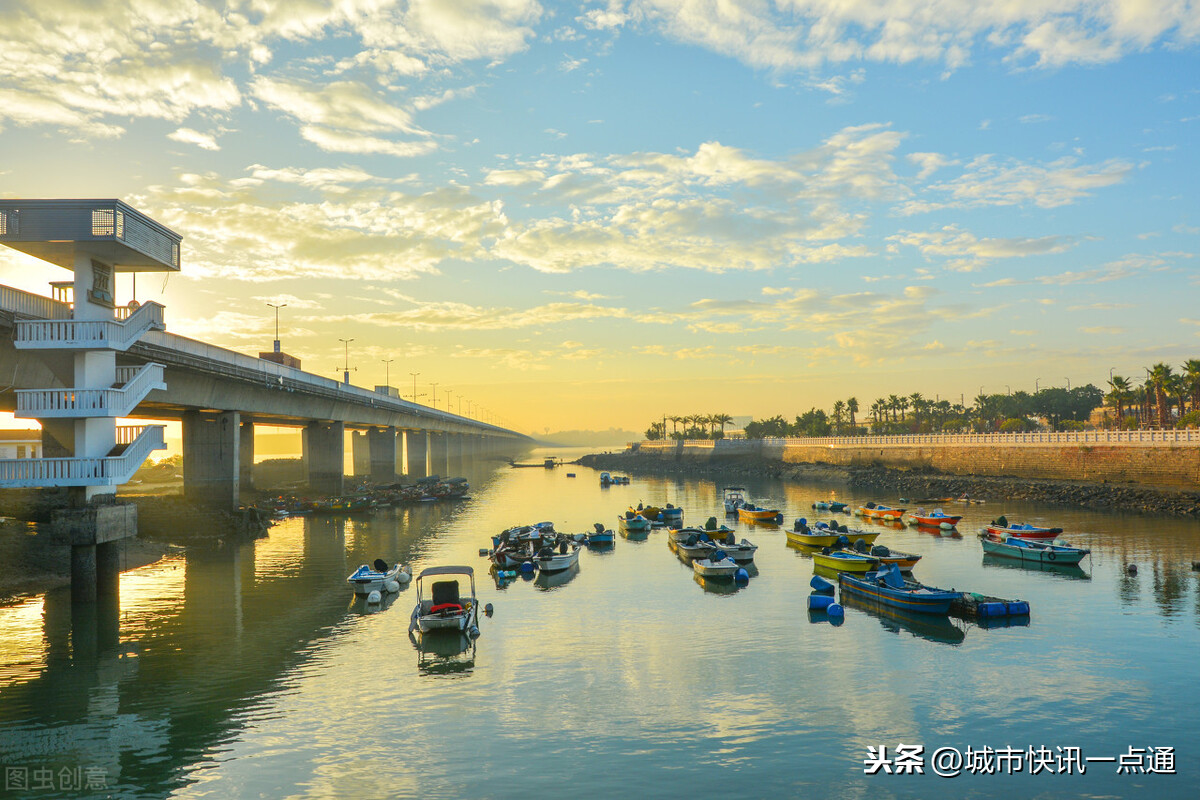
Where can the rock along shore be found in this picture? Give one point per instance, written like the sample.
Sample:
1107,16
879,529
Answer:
893,483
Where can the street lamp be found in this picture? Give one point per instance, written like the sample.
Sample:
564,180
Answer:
346,366
414,377
1036,383
386,361
447,391
1110,372
433,396
277,306
1068,384
1007,390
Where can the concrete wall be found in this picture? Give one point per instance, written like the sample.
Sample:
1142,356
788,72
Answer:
1165,464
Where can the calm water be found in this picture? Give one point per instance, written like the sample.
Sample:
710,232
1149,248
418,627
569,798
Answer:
247,671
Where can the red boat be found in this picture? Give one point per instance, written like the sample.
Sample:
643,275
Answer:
1001,527
936,519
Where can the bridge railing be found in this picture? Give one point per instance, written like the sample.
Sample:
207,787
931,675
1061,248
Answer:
107,334
115,402
32,305
1081,438
140,441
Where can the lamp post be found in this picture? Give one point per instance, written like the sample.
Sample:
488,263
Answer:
1007,390
1110,372
1068,384
1036,383
414,377
447,391
386,368
433,396
346,366
277,306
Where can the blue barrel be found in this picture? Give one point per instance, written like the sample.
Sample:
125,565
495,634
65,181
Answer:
821,585
1018,608
834,610
988,610
819,602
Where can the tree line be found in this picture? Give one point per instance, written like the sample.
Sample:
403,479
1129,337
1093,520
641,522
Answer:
1167,398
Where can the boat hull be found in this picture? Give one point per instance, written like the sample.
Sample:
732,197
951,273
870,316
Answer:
830,539
760,515
913,597
842,561
559,561
1035,552
1041,534
707,569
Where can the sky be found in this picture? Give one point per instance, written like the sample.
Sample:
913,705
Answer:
586,215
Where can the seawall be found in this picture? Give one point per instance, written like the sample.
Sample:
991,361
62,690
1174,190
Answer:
1159,474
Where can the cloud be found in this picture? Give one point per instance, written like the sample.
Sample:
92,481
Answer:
988,182
929,163
970,253
188,136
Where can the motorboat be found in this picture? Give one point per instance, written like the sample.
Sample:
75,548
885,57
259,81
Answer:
888,587
718,565
551,558
375,578
1002,527
446,607
748,512
824,535
935,519
1032,550
845,561
733,499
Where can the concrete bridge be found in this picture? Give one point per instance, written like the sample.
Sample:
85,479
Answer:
77,361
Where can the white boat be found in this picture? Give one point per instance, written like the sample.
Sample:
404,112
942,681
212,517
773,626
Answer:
733,499
633,522
447,607
549,559
367,579
722,567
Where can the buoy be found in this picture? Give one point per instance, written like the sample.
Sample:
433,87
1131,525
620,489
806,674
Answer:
834,610
570,474
741,576
527,567
819,602
404,575
374,597
392,586
473,632
946,526
488,609
483,551
1131,569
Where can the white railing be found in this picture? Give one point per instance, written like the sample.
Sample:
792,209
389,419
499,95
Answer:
83,334
106,471
32,305
1081,438
73,403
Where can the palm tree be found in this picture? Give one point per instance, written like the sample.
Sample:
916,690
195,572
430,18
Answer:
894,405
674,419
722,420
839,408
1158,379
852,407
1191,374
1120,394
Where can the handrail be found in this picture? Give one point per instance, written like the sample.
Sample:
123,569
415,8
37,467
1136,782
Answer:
103,471
76,403
1082,438
32,305
82,334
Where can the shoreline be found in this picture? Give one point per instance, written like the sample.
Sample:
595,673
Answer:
917,483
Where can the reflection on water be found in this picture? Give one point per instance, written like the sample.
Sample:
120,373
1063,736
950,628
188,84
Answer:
932,627
250,669
443,652
1069,571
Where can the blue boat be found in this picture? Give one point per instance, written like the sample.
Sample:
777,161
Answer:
888,587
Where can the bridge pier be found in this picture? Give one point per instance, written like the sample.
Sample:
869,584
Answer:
417,450
437,454
95,534
246,455
324,456
382,453
360,454
211,456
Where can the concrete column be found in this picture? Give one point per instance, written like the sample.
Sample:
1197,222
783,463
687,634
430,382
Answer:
83,573
324,456
246,455
382,445
211,451
417,450
437,454
108,570
360,454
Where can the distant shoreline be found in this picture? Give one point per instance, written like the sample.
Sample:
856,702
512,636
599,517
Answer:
893,483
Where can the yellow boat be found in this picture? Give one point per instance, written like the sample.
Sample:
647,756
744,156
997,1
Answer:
752,513
828,538
845,561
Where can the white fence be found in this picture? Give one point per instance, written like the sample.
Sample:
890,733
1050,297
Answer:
82,334
1082,438
106,471
73,403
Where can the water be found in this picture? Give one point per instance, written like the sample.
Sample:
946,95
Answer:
247,671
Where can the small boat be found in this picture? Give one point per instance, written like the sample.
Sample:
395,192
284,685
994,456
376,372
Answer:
1032,550
699,544
600,536
605,479
879,511
367,579
888,587
748,512
733,499
824,535
446,608
936,519
831,505
551,559
845,561
1001,527
670,512
718,565
633,522
886,555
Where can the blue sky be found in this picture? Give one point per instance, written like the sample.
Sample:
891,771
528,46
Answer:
584,215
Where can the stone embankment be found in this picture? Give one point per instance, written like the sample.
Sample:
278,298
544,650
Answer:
894,483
